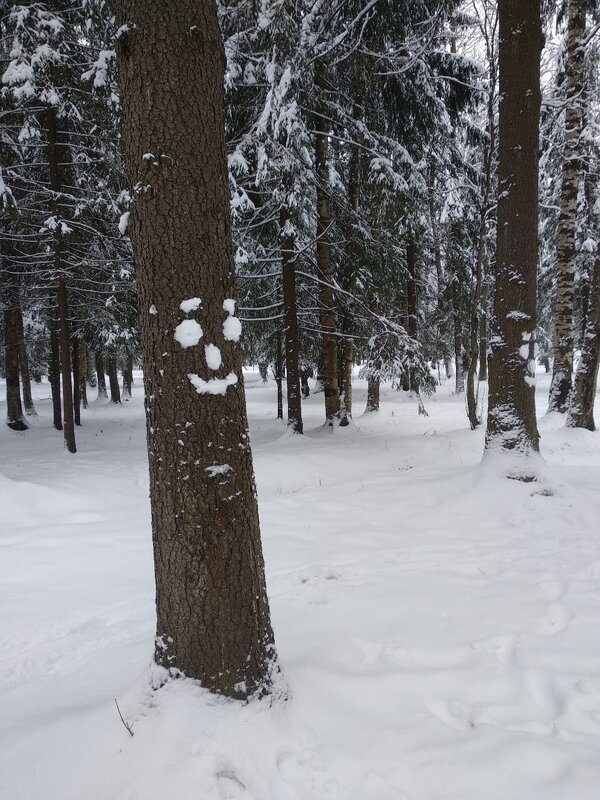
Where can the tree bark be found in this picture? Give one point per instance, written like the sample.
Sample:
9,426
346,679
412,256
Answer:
372,395
411,302
583,396
128,377
24,370
64,337
113,380
290,321
278,372
324,265
101,376
562,368
212,611
75,348
83,372
511,423
54,370
14,409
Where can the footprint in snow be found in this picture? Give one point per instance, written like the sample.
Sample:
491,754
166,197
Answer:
552,590
555,621
231,787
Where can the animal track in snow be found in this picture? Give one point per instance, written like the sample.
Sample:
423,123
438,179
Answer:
555,621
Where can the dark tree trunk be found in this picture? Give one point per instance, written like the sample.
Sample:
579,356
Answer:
14,409
54,370
83,373
483,337
128,377
24,370
290,320
411,302
562,368
212,611
64,337
278,372
583,396
75,354
373,395
324,265
511,423
101,376
113,380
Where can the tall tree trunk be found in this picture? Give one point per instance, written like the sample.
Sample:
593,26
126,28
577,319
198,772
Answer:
459,377
583,396
113,380
64,337
373,395
412,302
83,373
324,265
101,376
24,370
14,409
511,423
212,611
562,369
278,371
127,376
474,326
290,321
483,337
54,370
75,347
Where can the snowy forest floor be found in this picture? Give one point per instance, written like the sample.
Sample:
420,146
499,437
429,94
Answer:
438,627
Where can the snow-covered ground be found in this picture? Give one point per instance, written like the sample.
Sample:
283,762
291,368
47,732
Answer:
439,629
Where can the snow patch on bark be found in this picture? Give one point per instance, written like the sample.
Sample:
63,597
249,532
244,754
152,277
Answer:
193,304
188,333
212,385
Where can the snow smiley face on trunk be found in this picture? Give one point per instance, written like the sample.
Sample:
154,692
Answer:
189,333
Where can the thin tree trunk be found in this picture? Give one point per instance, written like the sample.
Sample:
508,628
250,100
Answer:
583,396
128,377
14,409
101,376
373,395
61,289
290,321
113,380
511,423
412,302
562,369
83,372
324,264
24,370
483,338
212,610
279,374
54,371
64,339
75,347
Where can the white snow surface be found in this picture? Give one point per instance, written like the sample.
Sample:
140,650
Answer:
188,333
437,626
232,329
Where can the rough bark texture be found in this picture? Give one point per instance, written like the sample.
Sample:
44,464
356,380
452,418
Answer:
64,337
101,376
24,370
212,611
83,371
583,396
373,395
511,423
76,359
290,320
54,370
278,372
113,380
324,265
562,369
127,377
14,409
